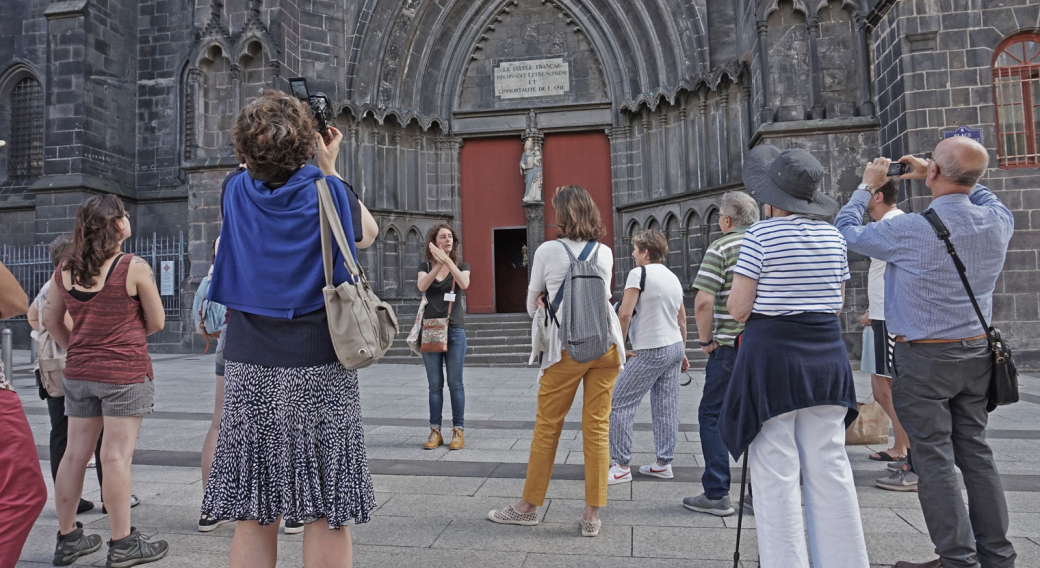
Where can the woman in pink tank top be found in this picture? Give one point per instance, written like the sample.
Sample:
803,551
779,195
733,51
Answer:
115,304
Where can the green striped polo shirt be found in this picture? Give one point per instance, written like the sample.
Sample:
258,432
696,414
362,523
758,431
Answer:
716,278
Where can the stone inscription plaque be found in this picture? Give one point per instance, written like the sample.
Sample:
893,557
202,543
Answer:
532,78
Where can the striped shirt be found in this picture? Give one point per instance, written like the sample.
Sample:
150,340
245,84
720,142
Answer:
716,278
799,263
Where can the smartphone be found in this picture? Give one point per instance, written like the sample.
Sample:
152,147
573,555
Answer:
898,169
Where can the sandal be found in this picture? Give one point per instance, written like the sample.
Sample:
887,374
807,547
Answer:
590,528
884,456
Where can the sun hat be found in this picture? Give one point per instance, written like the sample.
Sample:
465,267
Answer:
787,180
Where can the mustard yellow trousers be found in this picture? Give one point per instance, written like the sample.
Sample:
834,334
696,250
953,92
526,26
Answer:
556,393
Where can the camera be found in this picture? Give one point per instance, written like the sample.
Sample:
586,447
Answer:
898,169
318,102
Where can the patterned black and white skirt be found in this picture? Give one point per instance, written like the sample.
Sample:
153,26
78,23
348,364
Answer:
290,444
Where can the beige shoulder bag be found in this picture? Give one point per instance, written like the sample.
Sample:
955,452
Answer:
361,325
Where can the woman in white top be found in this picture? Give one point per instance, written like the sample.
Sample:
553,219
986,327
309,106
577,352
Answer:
579,223
653,305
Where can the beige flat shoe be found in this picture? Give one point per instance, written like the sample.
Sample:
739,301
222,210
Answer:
590,528
510,516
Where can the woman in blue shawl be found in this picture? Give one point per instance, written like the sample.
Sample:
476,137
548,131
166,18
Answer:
291,443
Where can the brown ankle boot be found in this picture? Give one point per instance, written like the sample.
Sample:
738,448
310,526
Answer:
457,440
435,439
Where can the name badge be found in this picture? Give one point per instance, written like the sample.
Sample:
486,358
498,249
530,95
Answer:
449,297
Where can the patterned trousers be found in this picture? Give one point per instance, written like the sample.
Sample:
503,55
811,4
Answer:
656,371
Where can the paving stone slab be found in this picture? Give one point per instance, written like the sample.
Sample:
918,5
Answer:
371,556
633,513
482,534
445,506
392,531
434,485
542,560
702,543
558,489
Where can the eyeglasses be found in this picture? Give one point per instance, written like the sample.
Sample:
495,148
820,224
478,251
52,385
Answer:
127,215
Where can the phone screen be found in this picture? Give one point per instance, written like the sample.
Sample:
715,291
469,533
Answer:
897,169
299,88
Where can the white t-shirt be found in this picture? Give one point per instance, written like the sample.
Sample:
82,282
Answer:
656,323
876,280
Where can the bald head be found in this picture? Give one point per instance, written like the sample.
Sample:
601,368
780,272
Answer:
961,160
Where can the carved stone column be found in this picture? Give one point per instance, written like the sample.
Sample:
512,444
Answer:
534,211
813,27
864,105
685,275
723,96
766,114
192,116
535,214
644,158
683,148
236,89
702,134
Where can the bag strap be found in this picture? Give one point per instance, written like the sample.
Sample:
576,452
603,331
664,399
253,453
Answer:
331,223
585,252
642,280
944,235
451,303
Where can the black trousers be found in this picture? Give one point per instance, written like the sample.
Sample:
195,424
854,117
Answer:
60,437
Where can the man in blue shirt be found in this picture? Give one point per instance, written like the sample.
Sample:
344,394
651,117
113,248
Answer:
942,359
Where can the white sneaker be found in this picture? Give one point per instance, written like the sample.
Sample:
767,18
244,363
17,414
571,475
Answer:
92,462
618,474
657,470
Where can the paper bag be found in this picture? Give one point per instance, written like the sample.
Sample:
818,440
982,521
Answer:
870,427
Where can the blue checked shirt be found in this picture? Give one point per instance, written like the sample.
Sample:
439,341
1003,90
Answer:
924,296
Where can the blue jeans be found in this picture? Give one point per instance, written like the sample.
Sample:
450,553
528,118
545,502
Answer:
435,364
717,373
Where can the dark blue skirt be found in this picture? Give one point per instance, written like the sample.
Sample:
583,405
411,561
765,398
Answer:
784,364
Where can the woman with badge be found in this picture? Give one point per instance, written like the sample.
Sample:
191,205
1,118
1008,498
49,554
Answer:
443,280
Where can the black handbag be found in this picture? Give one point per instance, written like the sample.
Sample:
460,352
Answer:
1003,385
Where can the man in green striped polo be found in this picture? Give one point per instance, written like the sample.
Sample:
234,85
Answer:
718,332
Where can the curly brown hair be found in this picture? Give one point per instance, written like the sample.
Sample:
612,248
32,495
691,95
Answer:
576,214
95,238
274,134
654,243
431,238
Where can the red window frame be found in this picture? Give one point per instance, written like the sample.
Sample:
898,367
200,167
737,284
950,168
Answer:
1026,73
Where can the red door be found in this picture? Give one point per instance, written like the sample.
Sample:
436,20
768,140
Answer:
492,188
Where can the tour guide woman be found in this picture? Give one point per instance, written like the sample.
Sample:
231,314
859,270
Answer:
290,442
443,278
791,395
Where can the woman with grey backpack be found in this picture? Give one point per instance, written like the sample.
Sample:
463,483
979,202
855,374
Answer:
571,279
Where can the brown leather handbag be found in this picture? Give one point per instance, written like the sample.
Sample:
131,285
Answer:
435,330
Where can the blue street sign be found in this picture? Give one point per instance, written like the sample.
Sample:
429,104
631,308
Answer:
975,135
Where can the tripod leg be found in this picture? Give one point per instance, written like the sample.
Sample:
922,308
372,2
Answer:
740,514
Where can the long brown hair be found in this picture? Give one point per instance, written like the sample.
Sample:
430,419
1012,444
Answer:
576,214
95,238
431,238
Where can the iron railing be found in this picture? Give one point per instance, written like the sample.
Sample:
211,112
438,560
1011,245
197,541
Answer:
168,255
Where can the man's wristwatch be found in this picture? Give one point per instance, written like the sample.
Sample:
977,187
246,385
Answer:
865,186
703,344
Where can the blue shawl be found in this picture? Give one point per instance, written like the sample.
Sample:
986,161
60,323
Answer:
269,260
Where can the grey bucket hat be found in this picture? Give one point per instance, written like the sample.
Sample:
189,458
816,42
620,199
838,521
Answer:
787,180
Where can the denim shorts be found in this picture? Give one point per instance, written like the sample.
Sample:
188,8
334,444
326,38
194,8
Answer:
90,399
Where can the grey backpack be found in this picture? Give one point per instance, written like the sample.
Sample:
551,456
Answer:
585,320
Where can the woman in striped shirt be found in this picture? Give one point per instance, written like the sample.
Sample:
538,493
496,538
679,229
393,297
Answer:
791,395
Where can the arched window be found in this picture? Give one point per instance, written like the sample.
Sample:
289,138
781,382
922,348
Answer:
1016,81
26,138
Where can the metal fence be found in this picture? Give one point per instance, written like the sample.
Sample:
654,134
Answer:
168,255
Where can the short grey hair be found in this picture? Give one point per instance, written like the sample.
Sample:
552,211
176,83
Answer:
740,207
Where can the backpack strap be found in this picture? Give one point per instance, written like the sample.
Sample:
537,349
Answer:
944,235
585,252
642,280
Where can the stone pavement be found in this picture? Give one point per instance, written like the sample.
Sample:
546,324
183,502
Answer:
432,503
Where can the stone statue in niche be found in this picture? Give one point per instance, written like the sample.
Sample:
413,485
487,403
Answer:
531,169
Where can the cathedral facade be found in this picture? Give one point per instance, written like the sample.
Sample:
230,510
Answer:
474,111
